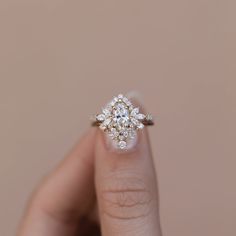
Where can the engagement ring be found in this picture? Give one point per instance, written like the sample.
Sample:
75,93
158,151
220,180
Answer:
121,120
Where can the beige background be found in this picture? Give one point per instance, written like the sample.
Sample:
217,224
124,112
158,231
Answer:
60,61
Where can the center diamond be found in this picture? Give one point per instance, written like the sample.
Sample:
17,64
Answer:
121,113
121,120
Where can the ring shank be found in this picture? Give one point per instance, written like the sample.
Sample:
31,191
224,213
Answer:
145,122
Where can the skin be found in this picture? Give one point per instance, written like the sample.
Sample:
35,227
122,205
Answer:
97,190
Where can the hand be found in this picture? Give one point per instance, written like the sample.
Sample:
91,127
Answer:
97,189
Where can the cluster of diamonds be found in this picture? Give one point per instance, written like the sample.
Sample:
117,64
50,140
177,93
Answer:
121,120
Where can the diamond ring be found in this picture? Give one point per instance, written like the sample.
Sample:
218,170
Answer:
121,120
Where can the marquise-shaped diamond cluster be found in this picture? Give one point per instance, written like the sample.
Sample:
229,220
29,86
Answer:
121,120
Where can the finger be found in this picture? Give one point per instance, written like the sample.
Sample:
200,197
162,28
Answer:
65,196
126,188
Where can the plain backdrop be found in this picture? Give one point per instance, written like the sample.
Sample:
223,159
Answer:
60,61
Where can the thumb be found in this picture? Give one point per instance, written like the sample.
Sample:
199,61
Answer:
126,188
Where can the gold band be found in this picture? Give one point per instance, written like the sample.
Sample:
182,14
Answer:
145,122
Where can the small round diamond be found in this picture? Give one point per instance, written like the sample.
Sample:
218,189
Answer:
122,144
113,133
100,117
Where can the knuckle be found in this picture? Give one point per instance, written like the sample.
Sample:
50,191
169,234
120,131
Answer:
126,197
